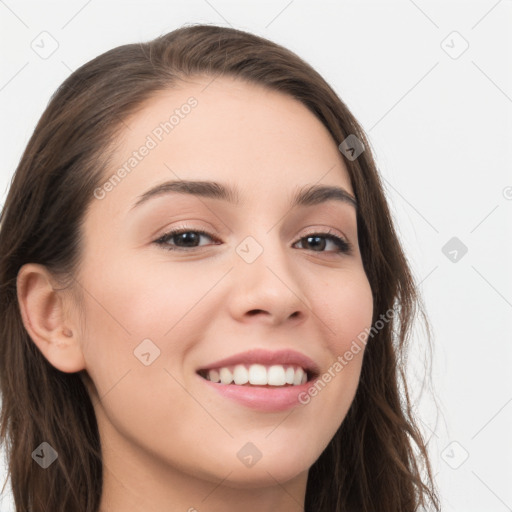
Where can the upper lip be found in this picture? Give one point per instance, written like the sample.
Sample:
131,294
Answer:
267,357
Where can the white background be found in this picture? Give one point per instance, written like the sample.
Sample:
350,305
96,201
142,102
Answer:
441,130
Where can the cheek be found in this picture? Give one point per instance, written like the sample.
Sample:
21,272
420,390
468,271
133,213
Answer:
132,302
127,316
347,318
348,311
149,296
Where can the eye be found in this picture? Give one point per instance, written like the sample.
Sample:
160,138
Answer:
187,239
182,235
317,240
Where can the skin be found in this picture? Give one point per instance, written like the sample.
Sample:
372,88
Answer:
169,442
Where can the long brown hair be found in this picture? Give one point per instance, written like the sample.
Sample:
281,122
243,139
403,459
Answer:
370,464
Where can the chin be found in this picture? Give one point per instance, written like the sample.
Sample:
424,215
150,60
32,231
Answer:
280,466
264,476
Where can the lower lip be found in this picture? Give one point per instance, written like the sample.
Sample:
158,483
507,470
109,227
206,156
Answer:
261,398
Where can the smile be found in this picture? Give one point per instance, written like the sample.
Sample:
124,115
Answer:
259,379
257,375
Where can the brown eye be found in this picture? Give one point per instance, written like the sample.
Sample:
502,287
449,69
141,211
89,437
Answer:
182,239
317,242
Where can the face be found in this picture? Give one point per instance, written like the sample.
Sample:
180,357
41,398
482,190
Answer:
259,279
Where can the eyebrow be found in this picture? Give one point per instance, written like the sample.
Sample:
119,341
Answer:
309,195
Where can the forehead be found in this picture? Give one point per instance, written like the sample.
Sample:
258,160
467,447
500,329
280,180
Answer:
230,131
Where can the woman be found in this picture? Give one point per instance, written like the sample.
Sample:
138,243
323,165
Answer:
204,304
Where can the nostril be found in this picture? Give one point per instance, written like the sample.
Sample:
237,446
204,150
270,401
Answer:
255,312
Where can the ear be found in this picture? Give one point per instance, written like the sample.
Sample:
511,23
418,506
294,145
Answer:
44,316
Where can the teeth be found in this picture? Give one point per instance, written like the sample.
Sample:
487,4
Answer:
276,376
297,379
240,375
226,377
259,375
214,376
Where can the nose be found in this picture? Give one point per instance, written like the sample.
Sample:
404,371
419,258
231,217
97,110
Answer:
269,289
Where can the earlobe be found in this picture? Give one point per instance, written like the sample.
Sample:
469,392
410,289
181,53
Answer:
44,317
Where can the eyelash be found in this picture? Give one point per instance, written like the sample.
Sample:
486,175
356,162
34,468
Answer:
344,246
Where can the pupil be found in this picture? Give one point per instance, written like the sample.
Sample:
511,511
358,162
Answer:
316,238
189,236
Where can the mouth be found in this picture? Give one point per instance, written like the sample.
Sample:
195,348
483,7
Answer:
258,367
276,375
262,380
